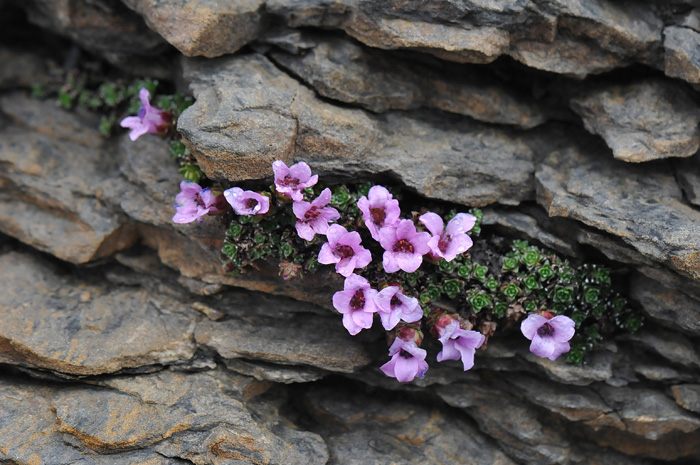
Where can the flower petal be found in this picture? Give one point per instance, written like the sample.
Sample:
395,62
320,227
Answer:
531,324
433,222
564,328
325,256
542,346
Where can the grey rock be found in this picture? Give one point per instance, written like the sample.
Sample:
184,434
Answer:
687,396
576,404
643,121
650,415
681,56
52,184
19,68
105,27
309,340
671,307
340,69
69,326
236,132
688,176
599,367
640,204
670,345
392,431
515,425
524,223
276,373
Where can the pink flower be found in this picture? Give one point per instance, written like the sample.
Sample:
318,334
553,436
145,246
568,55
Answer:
379,210
343,248
407,361
393,305
149,119
247,202
291,181
452,241
458,343
194,202
356,303
404,247
313,217
549,336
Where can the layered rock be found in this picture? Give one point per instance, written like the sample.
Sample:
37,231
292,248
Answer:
469,103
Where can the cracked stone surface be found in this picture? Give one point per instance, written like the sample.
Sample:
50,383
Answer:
235,124
642,121
123,341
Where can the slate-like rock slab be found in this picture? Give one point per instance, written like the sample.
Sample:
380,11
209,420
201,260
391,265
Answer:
387,430
207,28
640,204
669,306
642,121
687,396
343,70
51,186
514,424
681,53
65,324
307,340
248,114
161,418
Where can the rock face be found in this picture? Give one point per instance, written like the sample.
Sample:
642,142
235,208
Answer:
643,121
122,340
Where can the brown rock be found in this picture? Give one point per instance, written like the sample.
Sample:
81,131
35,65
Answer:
198,417
644,121
339,69
681,57
236,131
69,326
641,205
687,396
207,28
29,432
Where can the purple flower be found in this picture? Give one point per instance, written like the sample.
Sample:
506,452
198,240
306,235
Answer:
149,119
247,202
458,343
379,210
393,305
194,202
407,361
452,241
549,336
313,217
343,248
404,247
291,181
356,303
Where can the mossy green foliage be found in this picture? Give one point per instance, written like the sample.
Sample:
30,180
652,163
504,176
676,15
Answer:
115,99
496,293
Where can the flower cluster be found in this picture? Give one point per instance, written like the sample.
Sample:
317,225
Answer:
406,271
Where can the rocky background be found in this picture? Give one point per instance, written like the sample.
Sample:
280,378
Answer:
574,123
